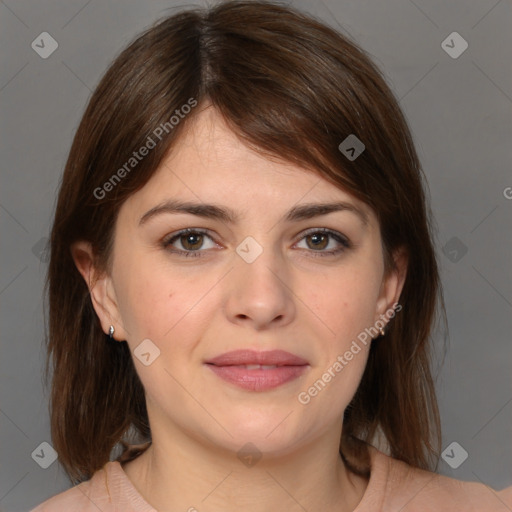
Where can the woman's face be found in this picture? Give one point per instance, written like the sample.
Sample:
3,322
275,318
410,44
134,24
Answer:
266,280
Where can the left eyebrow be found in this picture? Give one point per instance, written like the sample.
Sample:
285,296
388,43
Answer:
212,211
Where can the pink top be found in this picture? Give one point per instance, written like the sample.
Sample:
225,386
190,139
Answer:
393,486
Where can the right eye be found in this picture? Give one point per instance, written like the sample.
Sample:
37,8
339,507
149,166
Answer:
191,241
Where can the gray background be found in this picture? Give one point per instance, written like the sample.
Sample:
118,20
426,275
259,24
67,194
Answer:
459,110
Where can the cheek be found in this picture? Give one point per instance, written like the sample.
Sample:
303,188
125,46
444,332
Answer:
143,297
348,311
349,305
346,304
167,307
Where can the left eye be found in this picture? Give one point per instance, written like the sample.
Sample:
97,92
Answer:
318,240
192,242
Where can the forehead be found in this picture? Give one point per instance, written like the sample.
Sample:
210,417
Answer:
209,163
210,144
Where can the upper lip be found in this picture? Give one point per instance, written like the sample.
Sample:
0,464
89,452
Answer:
248,357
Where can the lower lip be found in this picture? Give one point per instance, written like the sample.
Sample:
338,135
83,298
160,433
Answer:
258,380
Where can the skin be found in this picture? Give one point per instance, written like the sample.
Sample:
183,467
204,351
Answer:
195,308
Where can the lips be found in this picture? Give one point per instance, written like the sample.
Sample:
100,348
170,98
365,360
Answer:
252,357
258,371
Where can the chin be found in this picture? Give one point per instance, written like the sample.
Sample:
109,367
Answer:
269,435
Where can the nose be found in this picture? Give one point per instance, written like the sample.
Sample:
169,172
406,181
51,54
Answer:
260,293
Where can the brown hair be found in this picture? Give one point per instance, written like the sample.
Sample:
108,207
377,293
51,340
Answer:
293,89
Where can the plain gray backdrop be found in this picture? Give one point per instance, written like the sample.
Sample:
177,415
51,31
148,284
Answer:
459,109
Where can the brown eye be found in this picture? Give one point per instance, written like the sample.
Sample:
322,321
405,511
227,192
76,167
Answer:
191,241
318,240
188,242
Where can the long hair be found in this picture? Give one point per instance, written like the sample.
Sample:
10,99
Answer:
293,89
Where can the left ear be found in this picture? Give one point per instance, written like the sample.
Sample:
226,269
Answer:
392,283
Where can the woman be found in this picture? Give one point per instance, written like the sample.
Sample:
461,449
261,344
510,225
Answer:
243,282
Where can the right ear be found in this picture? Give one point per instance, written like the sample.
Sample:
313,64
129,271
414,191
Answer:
100,288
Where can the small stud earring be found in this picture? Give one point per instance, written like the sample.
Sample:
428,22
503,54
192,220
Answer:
111,332
382,332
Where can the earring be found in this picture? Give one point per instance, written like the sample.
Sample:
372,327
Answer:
111,332
382,332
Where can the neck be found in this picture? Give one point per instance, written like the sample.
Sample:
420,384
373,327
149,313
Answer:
187,475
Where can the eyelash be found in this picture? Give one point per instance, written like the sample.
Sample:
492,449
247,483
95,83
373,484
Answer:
198,253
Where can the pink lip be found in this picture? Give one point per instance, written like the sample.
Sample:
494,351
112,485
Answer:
269,357
231,367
